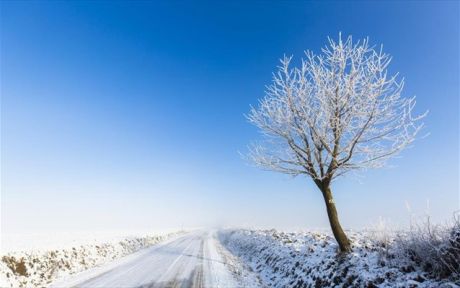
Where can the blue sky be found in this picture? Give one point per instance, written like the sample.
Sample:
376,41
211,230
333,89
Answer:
129,115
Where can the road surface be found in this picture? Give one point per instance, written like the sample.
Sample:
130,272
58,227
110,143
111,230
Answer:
192,260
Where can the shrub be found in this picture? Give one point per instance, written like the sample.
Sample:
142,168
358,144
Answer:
434,248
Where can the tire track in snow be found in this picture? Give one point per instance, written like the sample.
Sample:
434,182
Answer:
189,261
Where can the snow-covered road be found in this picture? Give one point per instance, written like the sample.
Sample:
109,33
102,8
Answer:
191,260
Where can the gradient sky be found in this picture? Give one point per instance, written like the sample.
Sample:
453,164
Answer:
120,115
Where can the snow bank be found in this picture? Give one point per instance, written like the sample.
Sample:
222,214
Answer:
38,268
310,259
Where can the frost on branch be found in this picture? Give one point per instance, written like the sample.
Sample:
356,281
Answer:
337,112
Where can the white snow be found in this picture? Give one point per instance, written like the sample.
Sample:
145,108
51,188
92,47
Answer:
35,260
40,241
192,260
310,259
226,258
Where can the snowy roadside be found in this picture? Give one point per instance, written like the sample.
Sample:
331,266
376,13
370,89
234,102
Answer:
196,259
38,267
242,275
309,259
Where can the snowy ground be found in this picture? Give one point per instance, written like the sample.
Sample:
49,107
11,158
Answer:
225,258
309,259
195,259
41,241
35,260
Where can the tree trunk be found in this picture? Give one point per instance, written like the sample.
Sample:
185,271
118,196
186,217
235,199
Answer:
337,230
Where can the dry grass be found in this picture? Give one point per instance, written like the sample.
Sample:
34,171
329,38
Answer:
433,248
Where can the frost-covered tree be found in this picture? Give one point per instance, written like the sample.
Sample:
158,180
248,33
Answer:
337,112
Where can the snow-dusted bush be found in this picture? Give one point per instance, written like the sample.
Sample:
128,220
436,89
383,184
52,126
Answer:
434,248
311,259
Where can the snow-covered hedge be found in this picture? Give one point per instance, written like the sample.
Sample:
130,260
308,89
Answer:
433,248
39,268
310,259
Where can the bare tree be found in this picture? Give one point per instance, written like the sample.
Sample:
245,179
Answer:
338,112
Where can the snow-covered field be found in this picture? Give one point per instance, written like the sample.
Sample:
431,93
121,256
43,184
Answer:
35,260
234,258
309,259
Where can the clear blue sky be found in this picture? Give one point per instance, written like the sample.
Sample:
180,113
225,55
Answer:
129,115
